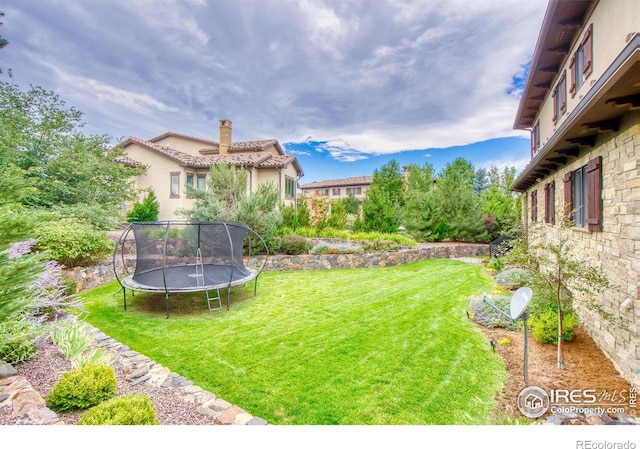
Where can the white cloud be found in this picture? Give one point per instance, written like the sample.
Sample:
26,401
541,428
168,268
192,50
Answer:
369,77
91,90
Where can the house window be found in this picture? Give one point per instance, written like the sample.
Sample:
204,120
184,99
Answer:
202,182
354,190
534,205
560,98
583,195
336,192
582,62
323,192
549,202
289,187
175,185
190,178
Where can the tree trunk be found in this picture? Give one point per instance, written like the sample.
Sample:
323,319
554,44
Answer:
560,331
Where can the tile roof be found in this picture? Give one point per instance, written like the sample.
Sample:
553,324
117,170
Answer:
127,161
255,159
354,181
249,145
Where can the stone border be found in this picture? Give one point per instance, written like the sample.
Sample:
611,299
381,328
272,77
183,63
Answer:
28,407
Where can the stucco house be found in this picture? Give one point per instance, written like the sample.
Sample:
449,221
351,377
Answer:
335,189
581,102
174,160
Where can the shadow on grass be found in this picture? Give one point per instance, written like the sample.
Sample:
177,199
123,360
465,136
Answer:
191,304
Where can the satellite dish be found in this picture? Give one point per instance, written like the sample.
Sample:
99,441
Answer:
519,302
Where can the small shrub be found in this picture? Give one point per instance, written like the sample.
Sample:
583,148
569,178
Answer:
485,315
17,340
504,342
74,343
544,326
513,278
71,339
496,264
293,244
72,242
129,410
82,388
147,210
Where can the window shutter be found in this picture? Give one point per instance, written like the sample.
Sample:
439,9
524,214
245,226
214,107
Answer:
563,93
587,44
547,217
552,202
594,193
573,69
568,195
534,205
555,106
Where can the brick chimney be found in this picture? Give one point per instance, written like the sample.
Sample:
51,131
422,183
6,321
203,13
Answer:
225,136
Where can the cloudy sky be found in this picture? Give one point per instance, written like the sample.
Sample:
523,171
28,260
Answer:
345,85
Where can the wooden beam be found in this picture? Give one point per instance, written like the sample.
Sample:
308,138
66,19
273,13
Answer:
632,101
586,141
550,69
537,98
546,85
557,160
559,50
569,151
571,22
603,125
549,166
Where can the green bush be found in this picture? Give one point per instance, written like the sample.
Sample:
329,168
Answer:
485,315
544,326
82,388
72,242
147,210
513,278
293,244
130,410
17,340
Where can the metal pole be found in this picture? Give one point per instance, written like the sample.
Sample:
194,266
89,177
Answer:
525,315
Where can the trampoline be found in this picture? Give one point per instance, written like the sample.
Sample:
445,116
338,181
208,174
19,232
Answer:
176,257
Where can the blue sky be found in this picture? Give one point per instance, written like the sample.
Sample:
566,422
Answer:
346,86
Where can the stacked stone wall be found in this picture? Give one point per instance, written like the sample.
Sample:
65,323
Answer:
615,250
87,277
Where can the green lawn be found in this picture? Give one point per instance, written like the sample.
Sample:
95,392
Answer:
361,346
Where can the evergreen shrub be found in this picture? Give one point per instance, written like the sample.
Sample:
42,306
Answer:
128,410
83,388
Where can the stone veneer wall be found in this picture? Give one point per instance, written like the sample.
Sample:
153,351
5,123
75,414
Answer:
616,250
87,277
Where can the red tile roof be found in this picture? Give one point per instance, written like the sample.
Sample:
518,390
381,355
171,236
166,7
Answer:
354,181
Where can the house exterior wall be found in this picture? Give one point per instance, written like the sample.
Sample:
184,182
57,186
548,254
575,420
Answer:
185,145
615,250
611,25
610,241
158,177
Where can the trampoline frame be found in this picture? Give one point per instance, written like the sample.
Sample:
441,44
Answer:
126,281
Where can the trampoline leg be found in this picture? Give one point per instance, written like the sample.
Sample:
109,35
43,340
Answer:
124,294
209,299
228,297
166,298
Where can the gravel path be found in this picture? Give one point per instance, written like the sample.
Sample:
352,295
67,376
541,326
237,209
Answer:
48,366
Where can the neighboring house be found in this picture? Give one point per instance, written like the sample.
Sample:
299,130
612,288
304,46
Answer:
175,160
336,189
581,102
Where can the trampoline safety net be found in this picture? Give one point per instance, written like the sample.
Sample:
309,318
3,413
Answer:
174,257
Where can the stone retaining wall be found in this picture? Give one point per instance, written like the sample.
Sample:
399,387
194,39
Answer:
87,277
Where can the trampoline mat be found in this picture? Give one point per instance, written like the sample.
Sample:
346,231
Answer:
184,278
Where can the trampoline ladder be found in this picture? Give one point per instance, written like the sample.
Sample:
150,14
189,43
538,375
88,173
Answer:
211,299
